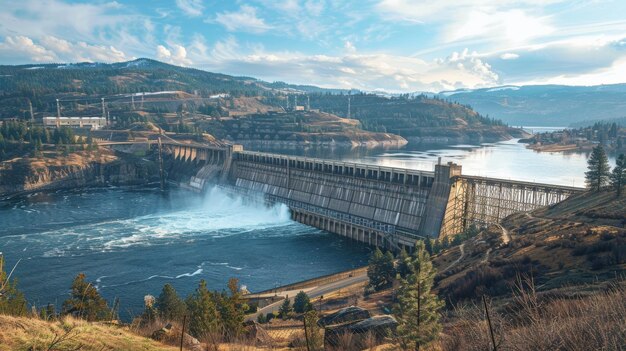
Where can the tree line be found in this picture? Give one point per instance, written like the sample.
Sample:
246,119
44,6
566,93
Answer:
599,174
415,307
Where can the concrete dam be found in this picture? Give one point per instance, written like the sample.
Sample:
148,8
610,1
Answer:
381,206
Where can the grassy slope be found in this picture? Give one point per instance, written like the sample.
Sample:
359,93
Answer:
570,244
18,333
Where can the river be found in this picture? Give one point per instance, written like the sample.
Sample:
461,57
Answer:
130,242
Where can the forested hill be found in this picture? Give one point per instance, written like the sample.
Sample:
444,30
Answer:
415,118
408,116
141,75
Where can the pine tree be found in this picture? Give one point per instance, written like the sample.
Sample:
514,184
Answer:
380,271
169,305
284,309
204,318
12,301
618,176
417,308
231,316
85,301
302,303
403,263
428,242
598,164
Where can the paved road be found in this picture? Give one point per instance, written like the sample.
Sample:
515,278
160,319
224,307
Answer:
315,292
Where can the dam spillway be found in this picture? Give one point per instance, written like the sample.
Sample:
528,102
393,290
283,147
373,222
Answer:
381,206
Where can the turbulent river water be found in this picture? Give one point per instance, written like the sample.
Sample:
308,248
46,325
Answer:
132,241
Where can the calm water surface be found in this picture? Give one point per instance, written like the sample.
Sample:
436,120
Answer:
507,159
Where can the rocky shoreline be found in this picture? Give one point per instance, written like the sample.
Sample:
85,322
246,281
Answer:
77,170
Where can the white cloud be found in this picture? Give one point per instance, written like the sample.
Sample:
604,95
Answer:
191,7
175,54
362,71
108,24
82,52
24,47
50,49
244,20
349,46
509,56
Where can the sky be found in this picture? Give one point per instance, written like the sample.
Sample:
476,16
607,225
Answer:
390,45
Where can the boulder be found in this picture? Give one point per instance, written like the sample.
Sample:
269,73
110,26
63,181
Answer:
171,334
344,315
255,332
361,334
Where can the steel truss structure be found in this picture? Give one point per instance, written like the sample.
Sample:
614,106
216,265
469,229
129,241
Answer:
482,201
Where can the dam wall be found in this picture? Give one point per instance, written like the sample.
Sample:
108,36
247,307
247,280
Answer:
377,205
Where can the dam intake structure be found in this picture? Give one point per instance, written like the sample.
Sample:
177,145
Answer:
380,206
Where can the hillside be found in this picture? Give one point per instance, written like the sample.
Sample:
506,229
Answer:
418,119
578,242
545,105
21,333
175,98
297,129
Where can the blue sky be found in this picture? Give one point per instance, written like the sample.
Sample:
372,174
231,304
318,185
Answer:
392,45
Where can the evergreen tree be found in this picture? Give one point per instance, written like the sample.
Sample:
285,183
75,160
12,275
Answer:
284,309
85,301
598,164
169,305
428,242
380,271
302,303
403,263
204,318
12,301
231,316
618,176
417,308
437,246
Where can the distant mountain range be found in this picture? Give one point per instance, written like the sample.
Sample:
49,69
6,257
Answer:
545,105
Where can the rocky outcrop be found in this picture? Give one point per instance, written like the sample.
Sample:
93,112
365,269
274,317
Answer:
79,169
256,334
344,315
170,334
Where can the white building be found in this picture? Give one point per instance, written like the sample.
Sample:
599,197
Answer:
75,122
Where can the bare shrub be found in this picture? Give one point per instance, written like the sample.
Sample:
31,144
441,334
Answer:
535,323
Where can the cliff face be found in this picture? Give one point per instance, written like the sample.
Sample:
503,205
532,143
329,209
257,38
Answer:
80,169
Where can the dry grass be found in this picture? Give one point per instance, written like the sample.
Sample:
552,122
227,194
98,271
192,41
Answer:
18,333
597,322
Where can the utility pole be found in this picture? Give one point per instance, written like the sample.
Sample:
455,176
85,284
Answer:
32,115
132,102
308,103
349,105
161,175
142,96
58,114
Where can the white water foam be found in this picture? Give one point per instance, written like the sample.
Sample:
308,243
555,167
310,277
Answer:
218,214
